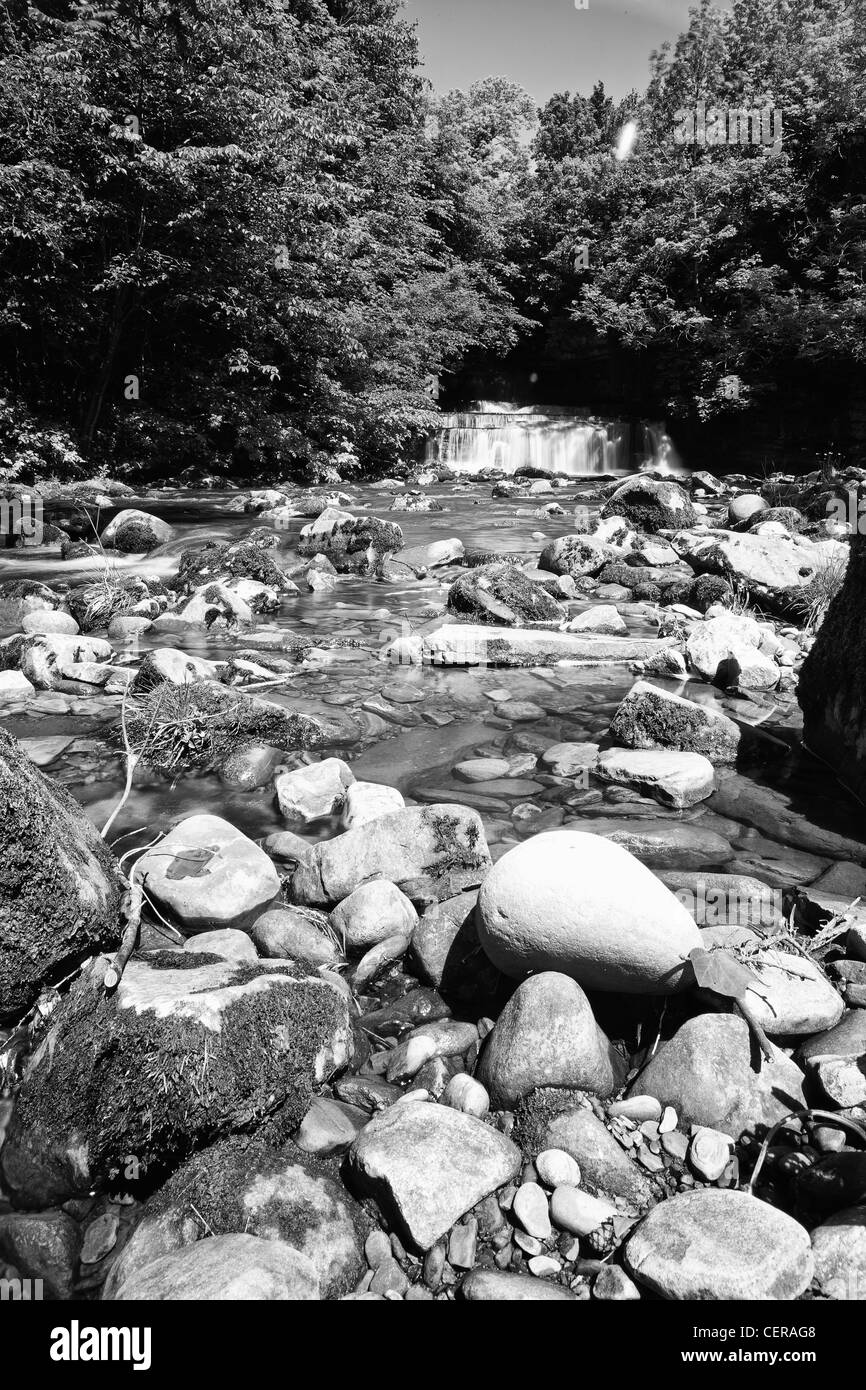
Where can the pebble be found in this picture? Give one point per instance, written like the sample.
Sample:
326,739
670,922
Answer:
637,1108
709,1154
544,1267
462,1244
556,1168
578,1212
531,1210
612,1285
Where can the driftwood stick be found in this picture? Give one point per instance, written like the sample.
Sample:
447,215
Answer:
132,905
756,1030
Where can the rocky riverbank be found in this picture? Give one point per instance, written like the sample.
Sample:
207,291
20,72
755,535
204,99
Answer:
433,918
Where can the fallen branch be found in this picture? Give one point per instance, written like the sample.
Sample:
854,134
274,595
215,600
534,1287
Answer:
131,908
827,1117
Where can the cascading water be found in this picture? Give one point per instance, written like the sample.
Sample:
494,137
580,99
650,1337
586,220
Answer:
551,439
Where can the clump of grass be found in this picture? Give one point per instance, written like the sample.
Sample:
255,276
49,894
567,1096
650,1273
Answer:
813,603
174,727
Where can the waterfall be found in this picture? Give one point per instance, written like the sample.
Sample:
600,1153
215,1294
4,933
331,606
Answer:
505,437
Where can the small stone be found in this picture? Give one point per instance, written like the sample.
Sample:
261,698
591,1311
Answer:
612,1285
465,1093
530,1209
556,1168
637,1108
462,1244
544,1267
675,1144
668,1120
529,1244
99,1238
377,1247
709,1154
578,1212
389,1278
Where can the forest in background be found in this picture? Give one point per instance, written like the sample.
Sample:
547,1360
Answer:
243,237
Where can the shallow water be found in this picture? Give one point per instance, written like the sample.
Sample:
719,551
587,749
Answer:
420,721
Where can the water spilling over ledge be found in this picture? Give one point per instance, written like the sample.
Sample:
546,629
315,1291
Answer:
550,439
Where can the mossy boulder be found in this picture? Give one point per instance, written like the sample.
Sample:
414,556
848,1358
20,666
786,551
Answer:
243,1185
503,594
832,688
574,555
353,544
217,562
653,718
135,533
651,505
190,1047
60,886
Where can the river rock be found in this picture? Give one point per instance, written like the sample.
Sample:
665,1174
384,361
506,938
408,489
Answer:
239,1185
294,933
831,687
501,593
226,1269
674,779
720,1244
171,664
314,791
774,569
660,844
467,644
49,620
573,902
42,1245
724,651
547,1036
447,954
792,996
426,1165
60,886
568,759
49,659
652,718
651,506
228,943
603,618
431,852
208,875
372,913
14,685
604,1165
776,812
579,1212
495,1286
707,1072
107,1079
353,544
136,532
366,801
573,555
745,509
839,1251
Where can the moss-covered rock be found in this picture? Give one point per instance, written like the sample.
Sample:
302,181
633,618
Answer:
503,594
832,688
653,718
60,886
353,544
216,562
190,1047
245,1185
574,555
651,505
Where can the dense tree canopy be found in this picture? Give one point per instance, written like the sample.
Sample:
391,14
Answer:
244,234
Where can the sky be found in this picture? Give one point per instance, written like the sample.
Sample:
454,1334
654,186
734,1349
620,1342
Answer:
545,45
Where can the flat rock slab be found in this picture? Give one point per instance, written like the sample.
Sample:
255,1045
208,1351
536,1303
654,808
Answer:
467,644
427,1165
720,1244
675,779
770,810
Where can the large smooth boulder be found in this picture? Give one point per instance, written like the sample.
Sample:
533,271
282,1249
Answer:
650,505
672,778
60,886
832,687
49,660
426,1165
775,570
720,1244
652,718
574,555
186,1049
246,1186
579,904
311,792
374,912
224,1269
135,532
366,801
712,1074
501,593
547,1036
724,651
430,852
208,875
